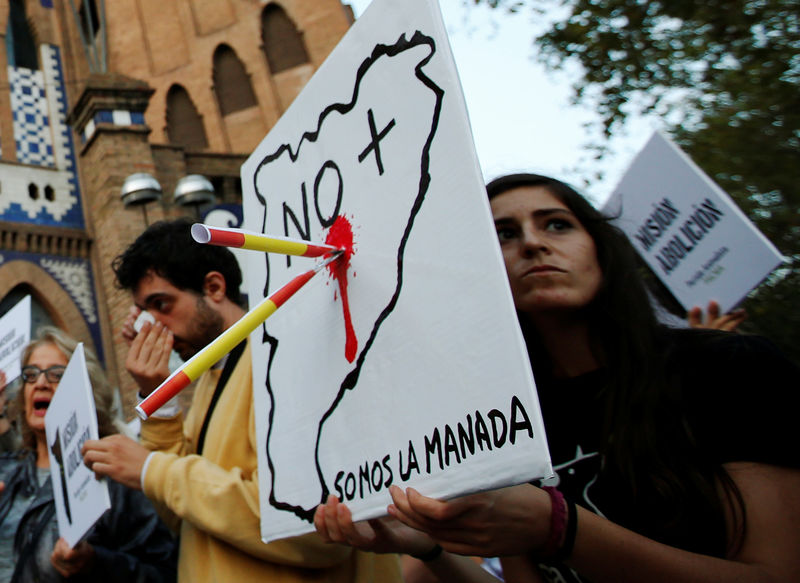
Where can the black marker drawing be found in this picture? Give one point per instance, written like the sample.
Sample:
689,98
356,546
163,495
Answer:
56,450
352,185
374,145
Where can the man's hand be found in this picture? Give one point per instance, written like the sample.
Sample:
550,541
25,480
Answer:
148,356
118,457
69,561
128,331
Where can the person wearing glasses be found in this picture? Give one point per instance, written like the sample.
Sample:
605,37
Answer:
128,543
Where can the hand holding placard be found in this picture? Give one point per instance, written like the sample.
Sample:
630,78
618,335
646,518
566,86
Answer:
689,231
70,421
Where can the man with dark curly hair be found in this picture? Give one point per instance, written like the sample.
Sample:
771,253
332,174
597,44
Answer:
202,472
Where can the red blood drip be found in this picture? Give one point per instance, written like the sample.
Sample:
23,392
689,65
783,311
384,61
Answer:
341,237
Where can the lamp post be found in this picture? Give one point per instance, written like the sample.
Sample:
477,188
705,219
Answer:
194,190
138,190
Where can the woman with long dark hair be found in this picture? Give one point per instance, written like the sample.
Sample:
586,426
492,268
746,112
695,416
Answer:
674,450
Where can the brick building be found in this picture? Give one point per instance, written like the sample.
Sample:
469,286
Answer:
92,92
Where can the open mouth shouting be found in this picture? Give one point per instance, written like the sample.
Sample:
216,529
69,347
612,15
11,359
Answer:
40,403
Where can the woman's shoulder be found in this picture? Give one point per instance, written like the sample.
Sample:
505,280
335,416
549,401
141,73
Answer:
728,366
9,464
737,353
739,394
11,460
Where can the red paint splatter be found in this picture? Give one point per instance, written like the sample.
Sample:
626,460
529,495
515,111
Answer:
341,237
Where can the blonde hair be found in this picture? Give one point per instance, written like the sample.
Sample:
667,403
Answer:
103,393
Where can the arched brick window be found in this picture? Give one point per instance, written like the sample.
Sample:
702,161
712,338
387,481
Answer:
184,124
231,83
20,44
282,42
39,315
89,21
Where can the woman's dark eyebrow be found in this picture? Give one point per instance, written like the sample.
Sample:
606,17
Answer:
503,220
545,212
552,211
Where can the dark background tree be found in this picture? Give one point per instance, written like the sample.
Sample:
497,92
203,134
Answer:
724,75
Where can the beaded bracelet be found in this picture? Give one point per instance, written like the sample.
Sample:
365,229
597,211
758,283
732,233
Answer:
558,523
565,551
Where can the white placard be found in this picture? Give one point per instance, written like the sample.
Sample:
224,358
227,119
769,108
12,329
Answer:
690,232
15,334
408,367
71,419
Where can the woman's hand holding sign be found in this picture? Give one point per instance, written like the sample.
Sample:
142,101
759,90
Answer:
70,562
334,523
713,320
508,521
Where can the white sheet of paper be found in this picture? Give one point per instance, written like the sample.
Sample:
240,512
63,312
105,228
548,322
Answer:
690,232
15,334
71,419
432,387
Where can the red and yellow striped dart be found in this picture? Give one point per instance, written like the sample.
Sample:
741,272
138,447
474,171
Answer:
225,342
258,242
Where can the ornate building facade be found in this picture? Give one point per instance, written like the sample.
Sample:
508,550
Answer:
93,92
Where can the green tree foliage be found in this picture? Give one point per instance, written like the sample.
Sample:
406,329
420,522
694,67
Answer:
725,77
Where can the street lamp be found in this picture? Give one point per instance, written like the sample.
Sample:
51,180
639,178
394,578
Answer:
194,190
138,190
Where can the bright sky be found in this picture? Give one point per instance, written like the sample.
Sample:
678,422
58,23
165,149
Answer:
521,115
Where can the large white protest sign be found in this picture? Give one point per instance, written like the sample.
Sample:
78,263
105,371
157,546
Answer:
403,363
15,333
71,419
688,230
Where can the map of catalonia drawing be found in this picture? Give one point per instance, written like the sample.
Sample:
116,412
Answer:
357,179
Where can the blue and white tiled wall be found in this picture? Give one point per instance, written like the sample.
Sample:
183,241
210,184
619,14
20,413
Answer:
117,117
44,149
31,120
46,160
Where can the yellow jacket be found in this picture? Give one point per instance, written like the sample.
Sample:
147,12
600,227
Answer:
213,499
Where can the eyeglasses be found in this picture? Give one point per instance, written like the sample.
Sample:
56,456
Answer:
53,374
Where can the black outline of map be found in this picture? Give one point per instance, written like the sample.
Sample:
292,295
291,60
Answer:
351,379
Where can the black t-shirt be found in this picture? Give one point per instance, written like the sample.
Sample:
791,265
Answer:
737,395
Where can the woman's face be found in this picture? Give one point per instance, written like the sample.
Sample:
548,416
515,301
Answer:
550,258
39,392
